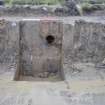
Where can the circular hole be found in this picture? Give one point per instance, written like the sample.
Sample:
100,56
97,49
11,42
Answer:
50,39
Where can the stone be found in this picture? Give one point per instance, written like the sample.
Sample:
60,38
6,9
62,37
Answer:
72,9
46,74
43,75
52,74
40,75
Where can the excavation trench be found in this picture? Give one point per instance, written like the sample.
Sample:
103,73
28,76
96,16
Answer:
52,50
40,51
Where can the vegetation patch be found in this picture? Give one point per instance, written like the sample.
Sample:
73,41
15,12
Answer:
34,2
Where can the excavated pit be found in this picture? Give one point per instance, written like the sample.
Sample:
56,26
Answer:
52,49
40,51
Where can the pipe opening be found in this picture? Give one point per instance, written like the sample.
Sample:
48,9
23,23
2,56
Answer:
50,39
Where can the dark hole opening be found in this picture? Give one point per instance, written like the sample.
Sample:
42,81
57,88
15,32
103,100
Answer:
50,39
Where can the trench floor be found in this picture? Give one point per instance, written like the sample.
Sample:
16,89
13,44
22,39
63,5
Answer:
54,78
83,92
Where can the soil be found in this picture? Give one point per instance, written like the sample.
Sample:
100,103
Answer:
95,13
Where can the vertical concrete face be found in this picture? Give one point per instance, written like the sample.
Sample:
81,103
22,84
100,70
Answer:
41,43
9,46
